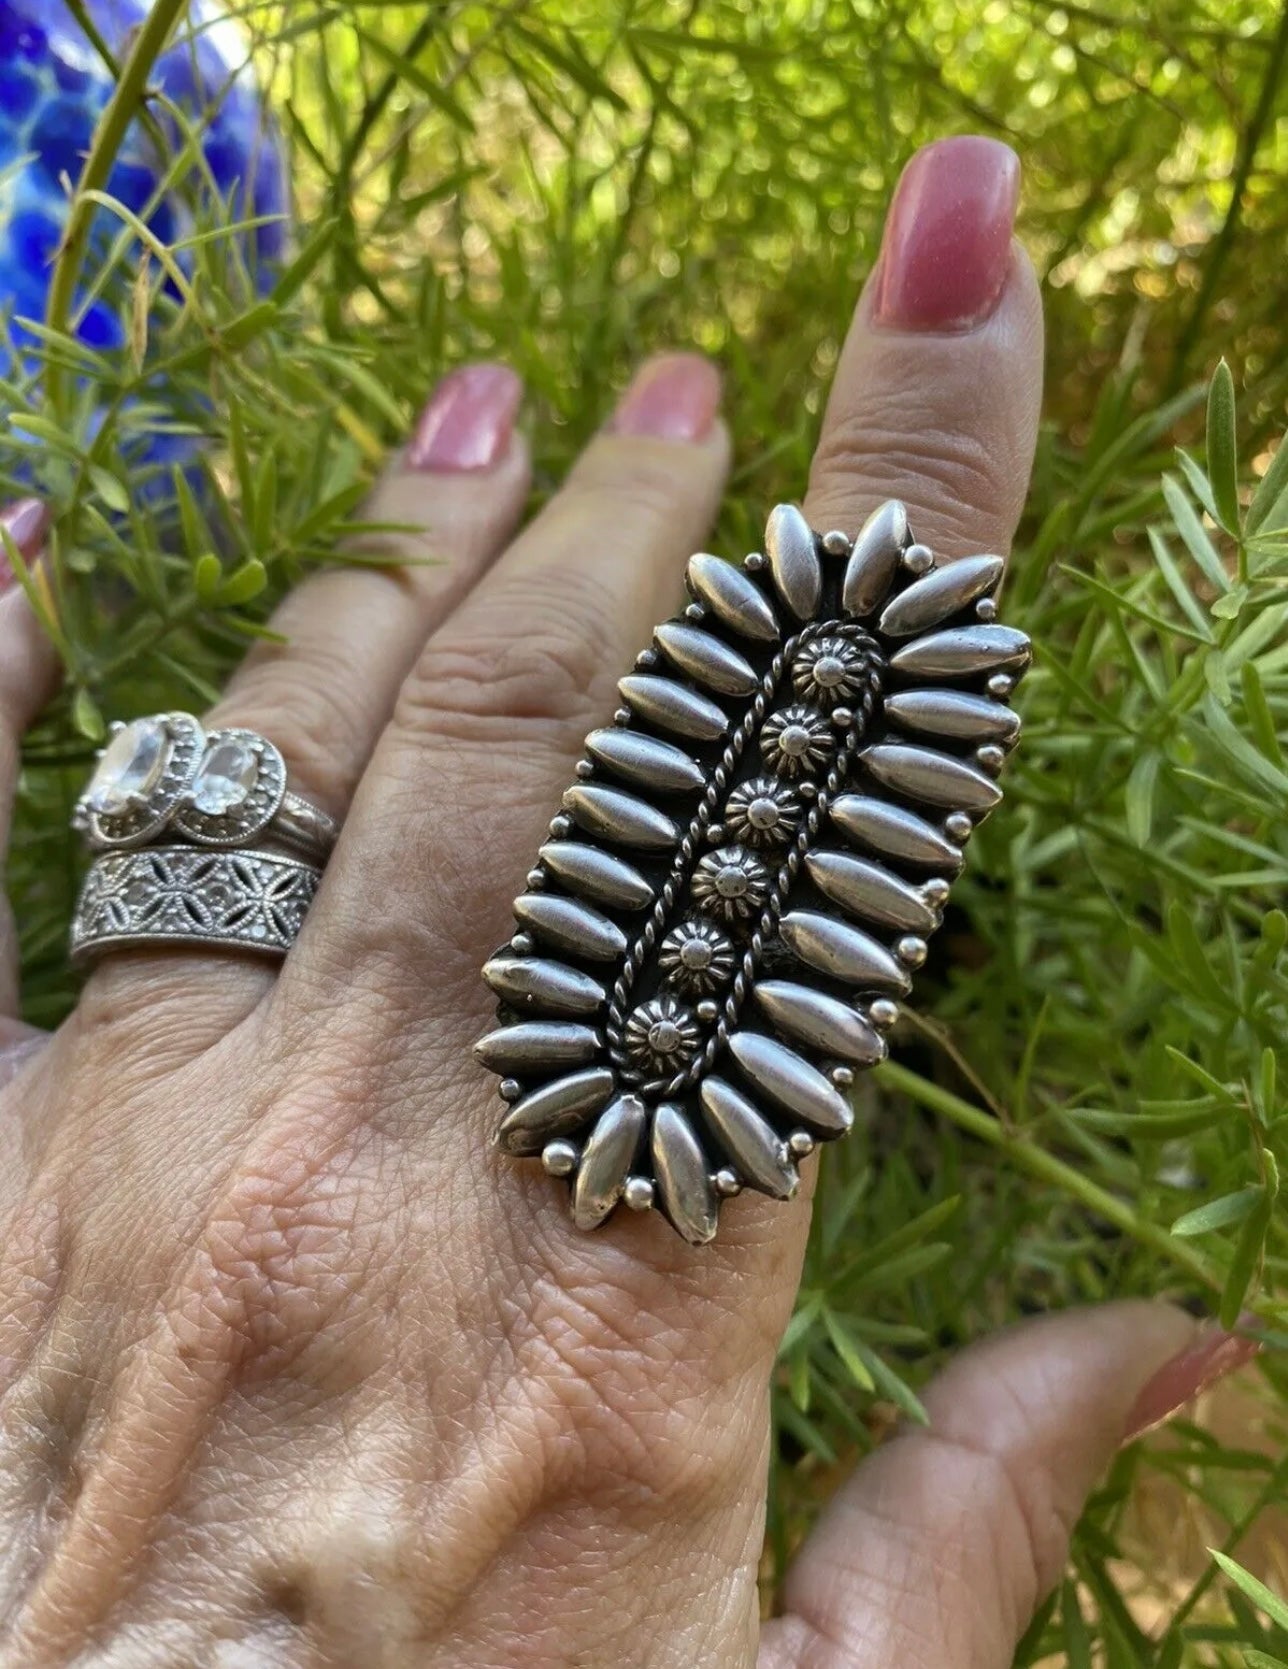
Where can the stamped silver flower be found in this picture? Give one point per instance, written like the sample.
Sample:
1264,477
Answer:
731,884
762,812
829,672
661,1035
796,741
697,957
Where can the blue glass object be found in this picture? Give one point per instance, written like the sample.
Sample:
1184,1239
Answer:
53,87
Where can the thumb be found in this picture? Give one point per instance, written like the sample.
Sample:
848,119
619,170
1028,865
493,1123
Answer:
939,1550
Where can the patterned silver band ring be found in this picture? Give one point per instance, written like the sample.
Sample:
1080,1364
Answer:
180,895
165,777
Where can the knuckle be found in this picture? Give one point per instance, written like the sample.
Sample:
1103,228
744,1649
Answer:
280,1254
959,493
307,695
631,1406
531,663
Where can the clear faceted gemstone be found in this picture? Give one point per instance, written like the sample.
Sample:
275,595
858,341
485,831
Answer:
132,765
227,776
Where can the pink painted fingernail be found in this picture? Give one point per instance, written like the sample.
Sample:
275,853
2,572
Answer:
1213,1354
947,245
26,521
469,421
673,397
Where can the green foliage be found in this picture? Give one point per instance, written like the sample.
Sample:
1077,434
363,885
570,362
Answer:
1092,1103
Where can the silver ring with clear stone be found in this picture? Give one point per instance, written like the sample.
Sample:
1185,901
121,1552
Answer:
166,776
182,895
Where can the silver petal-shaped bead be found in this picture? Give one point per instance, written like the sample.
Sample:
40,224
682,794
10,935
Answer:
937,778
954,713
893,831
874,559
757,1150
611,815
867,890
791,1082
734,599
543,986
674,707
645,762
962,651
706,658
569,926
597,875
554,1110
794,563
842,952
684,1184
537,1045
606,1160
942,593
820,1021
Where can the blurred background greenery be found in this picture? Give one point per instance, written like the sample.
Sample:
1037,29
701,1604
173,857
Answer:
1091,1101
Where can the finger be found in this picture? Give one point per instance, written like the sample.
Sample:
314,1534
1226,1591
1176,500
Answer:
489,721
352,633
939,1550
324,693
937,394
28,672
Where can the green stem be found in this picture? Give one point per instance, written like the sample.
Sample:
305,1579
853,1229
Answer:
1027,1156
1224,240
120,111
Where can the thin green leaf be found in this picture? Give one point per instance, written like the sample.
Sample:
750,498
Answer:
1220,1213
1248,1252
1274,1605
1222,449
1193,534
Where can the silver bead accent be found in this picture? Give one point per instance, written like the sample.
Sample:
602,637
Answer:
911,950
986,609
991,757
836,543
918,559
522,944
883,1013
958,826
559,1158
727,1184
509,1089
801,1144
638,1193
1000,685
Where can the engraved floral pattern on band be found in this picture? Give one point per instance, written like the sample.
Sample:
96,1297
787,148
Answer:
178,894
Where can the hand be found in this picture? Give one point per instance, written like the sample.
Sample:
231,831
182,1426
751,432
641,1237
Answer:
293,1369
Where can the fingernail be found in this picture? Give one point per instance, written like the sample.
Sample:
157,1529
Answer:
1213,1354
673,397
947,245
26,521
469,421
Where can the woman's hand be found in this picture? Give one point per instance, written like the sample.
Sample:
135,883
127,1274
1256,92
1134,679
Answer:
293,1369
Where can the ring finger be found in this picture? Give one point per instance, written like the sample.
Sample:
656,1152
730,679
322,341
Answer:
348,636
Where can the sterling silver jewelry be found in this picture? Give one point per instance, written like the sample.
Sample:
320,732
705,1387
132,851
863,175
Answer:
748,866
180,895
164,776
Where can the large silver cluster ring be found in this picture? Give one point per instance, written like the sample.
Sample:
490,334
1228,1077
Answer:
182,895
166,777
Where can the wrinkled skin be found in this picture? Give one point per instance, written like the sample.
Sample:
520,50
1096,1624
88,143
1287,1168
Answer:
294,1369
